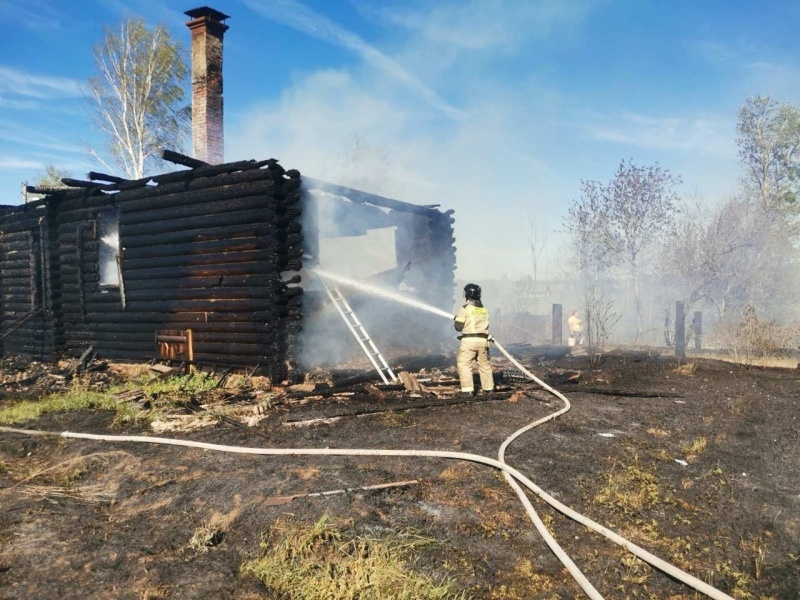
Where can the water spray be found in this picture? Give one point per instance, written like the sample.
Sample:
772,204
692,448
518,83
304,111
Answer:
376,291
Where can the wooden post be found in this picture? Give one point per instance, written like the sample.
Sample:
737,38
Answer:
557,325
697,324
680,331
190,351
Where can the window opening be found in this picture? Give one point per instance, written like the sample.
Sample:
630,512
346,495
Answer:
108,247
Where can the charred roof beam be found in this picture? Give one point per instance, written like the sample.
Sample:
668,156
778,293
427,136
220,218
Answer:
94,176
182,159
360,197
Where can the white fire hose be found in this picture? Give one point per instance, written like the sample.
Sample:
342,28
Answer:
671,570
513,476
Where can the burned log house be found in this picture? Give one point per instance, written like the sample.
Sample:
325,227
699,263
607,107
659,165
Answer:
216,249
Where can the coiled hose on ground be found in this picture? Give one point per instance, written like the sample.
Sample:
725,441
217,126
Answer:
514,478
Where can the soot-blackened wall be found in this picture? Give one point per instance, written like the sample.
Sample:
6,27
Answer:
25,282
209,249
215,249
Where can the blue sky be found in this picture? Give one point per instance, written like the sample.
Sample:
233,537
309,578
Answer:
497,109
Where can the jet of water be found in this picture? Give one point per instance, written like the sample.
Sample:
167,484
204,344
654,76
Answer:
375,291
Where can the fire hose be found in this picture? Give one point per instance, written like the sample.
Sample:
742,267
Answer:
641,553
513,476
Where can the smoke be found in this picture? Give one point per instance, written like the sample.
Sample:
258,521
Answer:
383,264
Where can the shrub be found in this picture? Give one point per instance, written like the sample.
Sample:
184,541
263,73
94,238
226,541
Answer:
751,341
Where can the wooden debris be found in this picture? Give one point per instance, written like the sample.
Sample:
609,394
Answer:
94,176
25,380
441,382
410,382
327,414
182,159
280,500
158,371
374,391
86,357
517,396
303,387
83,364
562,377
129,396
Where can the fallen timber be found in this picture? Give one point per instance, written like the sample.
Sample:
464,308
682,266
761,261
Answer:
365,405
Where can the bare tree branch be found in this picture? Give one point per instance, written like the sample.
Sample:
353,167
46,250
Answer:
611,225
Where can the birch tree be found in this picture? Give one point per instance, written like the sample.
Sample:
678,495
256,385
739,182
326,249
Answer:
769,148
137,99
613,225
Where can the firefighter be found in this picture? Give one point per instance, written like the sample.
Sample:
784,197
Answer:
575,324
472,321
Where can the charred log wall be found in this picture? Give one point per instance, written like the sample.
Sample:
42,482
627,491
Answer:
426,240
206,249
26,309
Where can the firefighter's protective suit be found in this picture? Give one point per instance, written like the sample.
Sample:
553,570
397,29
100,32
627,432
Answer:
472,320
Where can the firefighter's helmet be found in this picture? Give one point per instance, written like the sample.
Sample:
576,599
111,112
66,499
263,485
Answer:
472,291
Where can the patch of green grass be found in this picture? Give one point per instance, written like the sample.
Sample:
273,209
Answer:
180,388
319,561
738,581
694,448
163,396
77,398
393,418
629,489
526,582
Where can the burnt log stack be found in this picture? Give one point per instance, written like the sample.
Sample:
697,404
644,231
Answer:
206,249
27,322
212,248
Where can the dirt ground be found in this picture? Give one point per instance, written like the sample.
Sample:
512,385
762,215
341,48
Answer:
698,463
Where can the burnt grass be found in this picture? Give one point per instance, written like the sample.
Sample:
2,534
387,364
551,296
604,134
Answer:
730,515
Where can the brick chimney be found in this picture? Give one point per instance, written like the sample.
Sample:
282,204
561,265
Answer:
207,27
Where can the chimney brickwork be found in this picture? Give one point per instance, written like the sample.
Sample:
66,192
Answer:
207,30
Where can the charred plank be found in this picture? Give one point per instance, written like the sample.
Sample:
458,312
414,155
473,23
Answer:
182,159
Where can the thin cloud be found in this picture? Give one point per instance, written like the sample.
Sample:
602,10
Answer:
707,135
9,132
776,78
154,8
18,164
35,15
16,82
484,25
18,104
302,18
719,53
